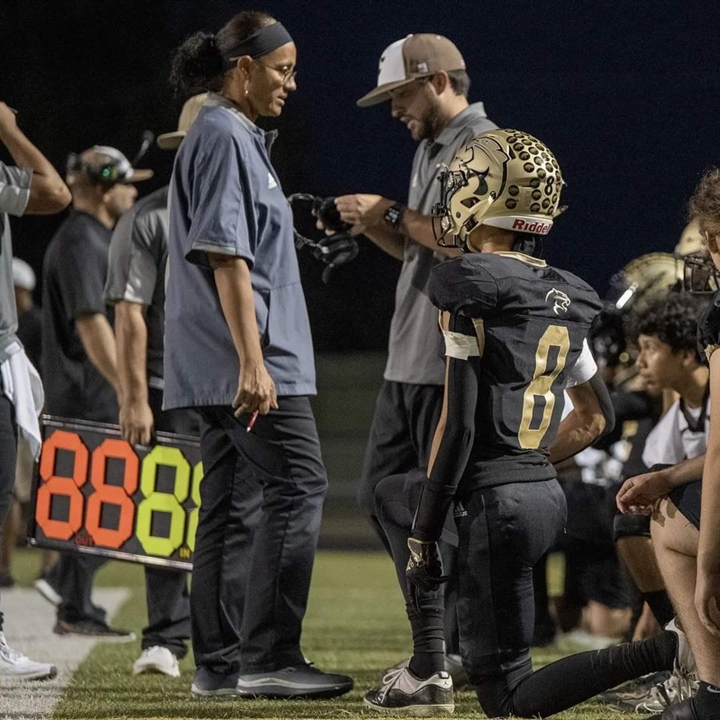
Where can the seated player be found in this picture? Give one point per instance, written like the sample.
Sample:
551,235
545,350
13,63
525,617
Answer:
684,533
514,329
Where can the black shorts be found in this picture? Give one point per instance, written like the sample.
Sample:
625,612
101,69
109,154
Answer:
686,499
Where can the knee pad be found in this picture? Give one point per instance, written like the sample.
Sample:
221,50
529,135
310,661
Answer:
625,526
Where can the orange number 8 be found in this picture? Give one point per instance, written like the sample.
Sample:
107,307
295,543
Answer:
112,494
59,485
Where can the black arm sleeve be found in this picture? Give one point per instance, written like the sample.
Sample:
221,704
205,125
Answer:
606,406
439,489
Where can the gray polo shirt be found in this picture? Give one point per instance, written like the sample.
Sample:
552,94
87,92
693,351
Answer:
14,196
136,270
415,352
225,198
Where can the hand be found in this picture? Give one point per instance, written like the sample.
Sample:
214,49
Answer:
424,569
639,494
8,121
362,211
707,599
256,390
137,423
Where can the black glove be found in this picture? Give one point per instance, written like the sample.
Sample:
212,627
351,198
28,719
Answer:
424,570
335,250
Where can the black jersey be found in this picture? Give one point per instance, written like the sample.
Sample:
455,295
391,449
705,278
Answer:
709,328
530,321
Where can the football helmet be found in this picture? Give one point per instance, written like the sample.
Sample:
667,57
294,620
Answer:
691,240
700,276
641,282
504,178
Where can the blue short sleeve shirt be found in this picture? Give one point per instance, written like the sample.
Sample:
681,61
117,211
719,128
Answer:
225,198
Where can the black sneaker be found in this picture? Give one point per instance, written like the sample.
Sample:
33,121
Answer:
93,629
684,710
402,692
297,681
208,683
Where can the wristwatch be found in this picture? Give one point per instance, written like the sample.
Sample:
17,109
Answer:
393,216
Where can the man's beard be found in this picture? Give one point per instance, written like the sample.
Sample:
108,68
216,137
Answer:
430,125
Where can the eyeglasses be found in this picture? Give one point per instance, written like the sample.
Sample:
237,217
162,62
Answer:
287,72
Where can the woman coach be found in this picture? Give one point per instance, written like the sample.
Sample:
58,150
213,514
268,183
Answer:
238,342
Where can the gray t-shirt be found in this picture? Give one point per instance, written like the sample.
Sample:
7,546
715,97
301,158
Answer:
14,196
136,270
225,198
415,352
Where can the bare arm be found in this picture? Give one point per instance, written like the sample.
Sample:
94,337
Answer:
581,427
98,341
256,390
366,212
48,192
136,418
707,593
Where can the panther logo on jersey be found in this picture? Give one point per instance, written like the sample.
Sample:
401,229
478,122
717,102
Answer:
560,299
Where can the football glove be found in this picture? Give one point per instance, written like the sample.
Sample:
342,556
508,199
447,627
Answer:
424,570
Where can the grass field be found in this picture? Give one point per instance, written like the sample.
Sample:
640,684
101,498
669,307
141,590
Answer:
355,625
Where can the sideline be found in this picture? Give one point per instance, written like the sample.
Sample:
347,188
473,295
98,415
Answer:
29,621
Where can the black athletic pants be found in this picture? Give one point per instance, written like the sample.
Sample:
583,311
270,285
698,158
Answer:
8,453
502,532
401,436
262,497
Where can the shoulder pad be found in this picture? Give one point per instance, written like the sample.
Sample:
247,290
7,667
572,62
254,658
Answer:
463,284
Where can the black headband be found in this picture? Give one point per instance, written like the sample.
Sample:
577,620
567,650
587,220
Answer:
260,43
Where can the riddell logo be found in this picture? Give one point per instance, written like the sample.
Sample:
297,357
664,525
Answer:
537,226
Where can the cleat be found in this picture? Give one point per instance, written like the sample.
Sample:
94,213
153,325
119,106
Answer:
402,692
157,659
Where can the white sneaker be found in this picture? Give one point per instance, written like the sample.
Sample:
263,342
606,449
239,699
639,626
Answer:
402,692
157,659
684,660
16,666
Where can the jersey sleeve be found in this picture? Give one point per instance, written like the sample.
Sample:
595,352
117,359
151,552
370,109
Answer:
221,202
132,267
14,189
584,369
462,285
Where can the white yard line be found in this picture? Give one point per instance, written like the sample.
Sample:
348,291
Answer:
29,621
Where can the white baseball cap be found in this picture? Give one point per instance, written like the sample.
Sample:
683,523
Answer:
412,57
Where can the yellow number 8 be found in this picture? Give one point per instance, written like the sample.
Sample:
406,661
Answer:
541,386
156,501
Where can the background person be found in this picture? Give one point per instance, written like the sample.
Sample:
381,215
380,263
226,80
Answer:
238,342
425,80
135,285
78,345
34,187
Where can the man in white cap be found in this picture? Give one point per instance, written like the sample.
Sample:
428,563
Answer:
78,347
135,285
31,187
424,78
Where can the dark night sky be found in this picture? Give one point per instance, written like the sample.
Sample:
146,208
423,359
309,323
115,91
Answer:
625,93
